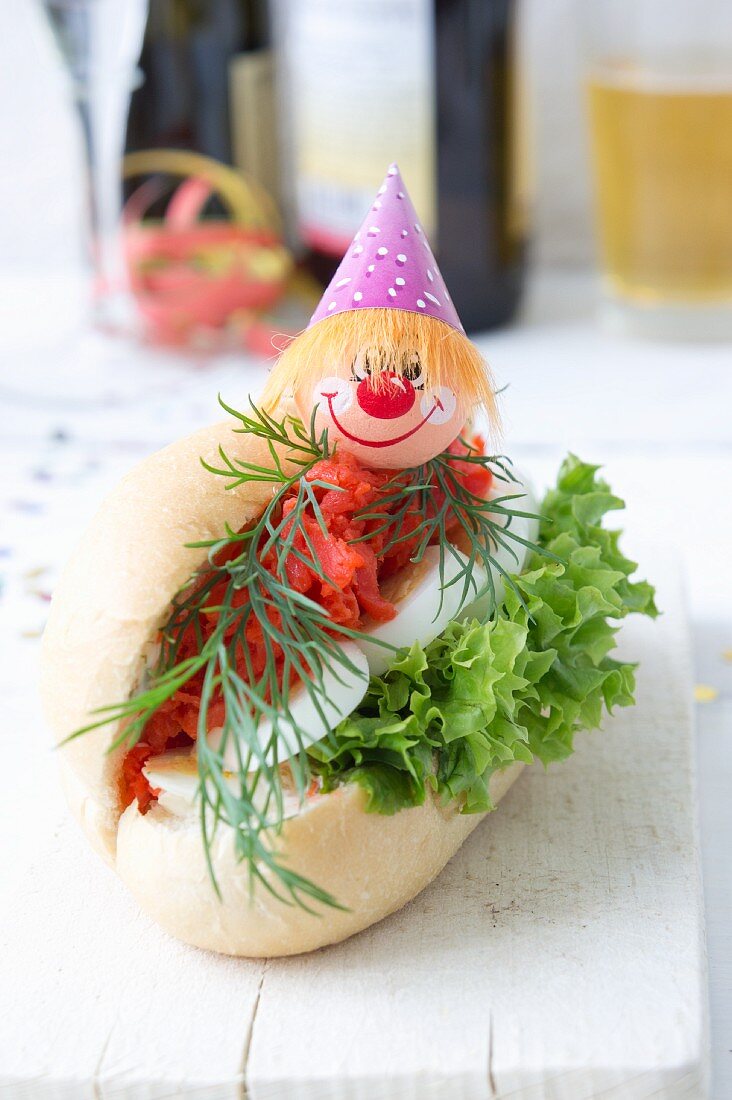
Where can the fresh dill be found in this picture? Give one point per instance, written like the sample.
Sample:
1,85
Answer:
466,526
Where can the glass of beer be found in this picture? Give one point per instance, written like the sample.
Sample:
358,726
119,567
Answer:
659,85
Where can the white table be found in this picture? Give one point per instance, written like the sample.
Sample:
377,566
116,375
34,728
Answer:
656,416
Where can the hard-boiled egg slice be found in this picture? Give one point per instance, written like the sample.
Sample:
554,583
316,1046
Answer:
416,589
312,715
175,775
416,592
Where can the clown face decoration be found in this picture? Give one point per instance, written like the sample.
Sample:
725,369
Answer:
385,364
389,418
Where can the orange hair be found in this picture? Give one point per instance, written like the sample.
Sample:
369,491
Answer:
390,338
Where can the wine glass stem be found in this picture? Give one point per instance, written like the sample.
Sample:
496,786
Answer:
102,107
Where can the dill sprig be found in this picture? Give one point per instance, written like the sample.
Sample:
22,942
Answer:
245,578
300,642
465,526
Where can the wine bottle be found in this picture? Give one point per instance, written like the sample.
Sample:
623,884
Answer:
431,84
207,84
203,243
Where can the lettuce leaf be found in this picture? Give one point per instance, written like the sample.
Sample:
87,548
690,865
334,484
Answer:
518,687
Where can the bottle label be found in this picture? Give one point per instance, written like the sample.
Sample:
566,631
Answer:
361,95
253,115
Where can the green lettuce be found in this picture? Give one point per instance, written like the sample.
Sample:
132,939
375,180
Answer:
517,687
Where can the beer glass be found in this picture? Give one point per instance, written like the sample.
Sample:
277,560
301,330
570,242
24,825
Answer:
659,86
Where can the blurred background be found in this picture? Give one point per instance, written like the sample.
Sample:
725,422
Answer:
540,51
533,135
178,177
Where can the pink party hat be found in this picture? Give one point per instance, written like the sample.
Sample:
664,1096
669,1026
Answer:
389,264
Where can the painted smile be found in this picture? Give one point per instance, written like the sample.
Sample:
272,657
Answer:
380,442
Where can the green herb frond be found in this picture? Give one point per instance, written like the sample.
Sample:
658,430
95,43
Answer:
484,523
301,444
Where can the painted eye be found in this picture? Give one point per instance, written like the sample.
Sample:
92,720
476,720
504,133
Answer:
360,368
366,362
439,406
413,370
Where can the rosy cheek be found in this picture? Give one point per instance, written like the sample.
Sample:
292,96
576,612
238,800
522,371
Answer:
445,402
333,393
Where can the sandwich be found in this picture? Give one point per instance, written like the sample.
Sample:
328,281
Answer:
299,655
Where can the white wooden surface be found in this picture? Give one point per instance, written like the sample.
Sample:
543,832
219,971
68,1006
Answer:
657,416
558,956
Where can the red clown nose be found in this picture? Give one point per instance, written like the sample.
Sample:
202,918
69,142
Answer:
392,396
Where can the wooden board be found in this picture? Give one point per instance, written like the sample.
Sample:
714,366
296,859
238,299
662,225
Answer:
558,957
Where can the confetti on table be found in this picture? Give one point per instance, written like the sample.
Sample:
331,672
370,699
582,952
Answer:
705,693
33,574
40,593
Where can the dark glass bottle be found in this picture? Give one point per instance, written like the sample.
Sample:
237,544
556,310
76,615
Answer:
480,231
206,73
431,84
